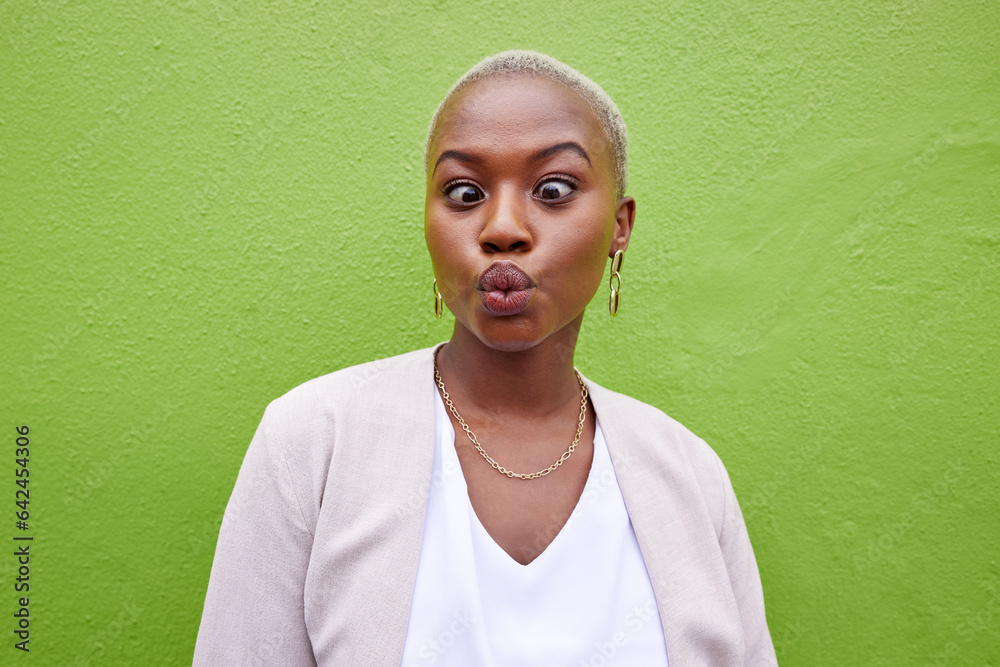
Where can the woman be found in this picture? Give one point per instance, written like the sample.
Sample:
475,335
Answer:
480,503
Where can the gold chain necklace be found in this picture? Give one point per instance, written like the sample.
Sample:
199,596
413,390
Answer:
497,466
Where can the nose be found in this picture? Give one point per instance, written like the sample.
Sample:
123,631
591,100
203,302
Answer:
505,228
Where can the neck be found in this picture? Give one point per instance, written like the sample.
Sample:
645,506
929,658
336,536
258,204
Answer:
532,382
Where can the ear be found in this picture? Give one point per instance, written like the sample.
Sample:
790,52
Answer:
624,221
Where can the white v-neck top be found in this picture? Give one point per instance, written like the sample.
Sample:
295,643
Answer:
585,601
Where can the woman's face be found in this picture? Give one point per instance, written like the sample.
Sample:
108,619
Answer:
521,213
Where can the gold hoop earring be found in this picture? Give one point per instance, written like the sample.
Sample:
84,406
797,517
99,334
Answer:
438,305
615,283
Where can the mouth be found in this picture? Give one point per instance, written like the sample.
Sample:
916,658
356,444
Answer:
505,289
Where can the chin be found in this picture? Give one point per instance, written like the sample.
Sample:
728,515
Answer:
514,333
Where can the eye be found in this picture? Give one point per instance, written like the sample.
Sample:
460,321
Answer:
554,188
464,193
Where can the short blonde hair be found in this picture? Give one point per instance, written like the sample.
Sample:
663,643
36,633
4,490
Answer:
539,64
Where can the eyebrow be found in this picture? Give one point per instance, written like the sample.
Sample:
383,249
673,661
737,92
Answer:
564,146
455,155
539,155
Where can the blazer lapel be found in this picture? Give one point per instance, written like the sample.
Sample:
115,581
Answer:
674,529
367,547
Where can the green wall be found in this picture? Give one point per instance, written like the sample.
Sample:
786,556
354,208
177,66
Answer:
204,204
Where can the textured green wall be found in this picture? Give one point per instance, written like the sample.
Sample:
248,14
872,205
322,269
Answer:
204,204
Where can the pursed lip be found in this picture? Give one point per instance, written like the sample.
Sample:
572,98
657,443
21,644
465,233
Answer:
505,288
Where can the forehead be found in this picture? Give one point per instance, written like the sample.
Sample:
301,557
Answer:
515,112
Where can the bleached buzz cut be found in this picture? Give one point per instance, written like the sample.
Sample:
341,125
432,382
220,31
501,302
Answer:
539,64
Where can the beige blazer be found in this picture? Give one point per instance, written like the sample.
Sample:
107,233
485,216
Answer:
317,554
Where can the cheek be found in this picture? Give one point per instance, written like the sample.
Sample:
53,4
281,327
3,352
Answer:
437,238
445,244
582,255
595,240
597,254
447,259
595,269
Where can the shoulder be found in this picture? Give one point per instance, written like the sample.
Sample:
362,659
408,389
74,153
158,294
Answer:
663,450
353,390
651,426
362,379
344,416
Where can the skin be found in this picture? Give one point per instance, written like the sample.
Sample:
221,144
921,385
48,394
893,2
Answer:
520,169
